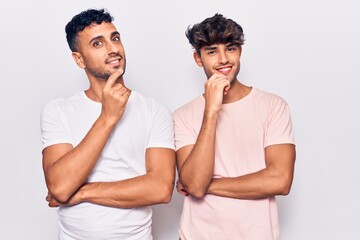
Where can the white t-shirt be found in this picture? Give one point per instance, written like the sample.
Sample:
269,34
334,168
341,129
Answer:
144,124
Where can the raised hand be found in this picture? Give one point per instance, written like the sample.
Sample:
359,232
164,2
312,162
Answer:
215,88
114,98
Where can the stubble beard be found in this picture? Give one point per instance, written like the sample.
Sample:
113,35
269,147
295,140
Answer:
103,75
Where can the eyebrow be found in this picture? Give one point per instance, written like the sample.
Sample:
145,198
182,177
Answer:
208,48
115,33
101,36
211,47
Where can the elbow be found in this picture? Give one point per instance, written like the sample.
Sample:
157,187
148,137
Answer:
59,189
285,187
194,187
164,194
197,194
285,190
166,197
59,193
196,191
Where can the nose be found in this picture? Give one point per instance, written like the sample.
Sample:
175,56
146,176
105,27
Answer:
112,48
223,58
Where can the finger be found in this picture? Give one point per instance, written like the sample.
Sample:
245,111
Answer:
216,80
126,95
223,83
216,76
183,192
218,85
118,86
227,88
53,205
48,198
113,77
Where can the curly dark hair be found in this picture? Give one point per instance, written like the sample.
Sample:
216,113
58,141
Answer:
215,30
82,20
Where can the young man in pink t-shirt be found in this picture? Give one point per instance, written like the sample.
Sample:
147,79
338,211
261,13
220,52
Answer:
234,145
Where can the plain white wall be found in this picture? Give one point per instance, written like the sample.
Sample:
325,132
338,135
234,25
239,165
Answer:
305,51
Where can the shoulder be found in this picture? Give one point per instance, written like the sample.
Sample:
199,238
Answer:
150,104
190,107
267,98
61,104
58,102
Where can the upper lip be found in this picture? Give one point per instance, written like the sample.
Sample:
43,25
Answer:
113,59
227,66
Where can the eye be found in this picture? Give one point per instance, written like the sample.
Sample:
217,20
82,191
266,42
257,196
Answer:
97,44
230,49
116,39
211,52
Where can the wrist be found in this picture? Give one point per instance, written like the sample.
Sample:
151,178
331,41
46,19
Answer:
107,122
209,120
210,113
211,186
84,192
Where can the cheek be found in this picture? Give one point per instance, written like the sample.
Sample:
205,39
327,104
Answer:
94,59
208,64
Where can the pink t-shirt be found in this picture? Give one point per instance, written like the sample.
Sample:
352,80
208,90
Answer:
244,129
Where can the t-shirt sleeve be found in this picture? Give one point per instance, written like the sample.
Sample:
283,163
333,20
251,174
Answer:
53,130
184,131
279,128
162,131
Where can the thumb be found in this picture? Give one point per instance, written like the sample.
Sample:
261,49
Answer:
113,77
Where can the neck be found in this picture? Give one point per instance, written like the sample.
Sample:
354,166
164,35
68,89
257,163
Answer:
236,92
94,92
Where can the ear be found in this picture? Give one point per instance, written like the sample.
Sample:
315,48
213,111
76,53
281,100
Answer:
78,59
197,59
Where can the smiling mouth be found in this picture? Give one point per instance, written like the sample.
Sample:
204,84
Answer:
114,60
224,70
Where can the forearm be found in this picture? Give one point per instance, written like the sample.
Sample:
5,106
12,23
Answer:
197,170
70,171
140,191
261,184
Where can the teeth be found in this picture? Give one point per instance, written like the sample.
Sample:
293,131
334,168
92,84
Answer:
224,70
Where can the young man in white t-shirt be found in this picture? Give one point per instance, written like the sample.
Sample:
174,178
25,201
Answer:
108,151
234,145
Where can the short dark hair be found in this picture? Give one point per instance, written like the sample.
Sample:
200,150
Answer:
82,20
215,30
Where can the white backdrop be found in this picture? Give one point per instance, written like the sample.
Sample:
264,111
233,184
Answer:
305,51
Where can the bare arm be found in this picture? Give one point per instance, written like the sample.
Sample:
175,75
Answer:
275,179
196,162
154,187
66,168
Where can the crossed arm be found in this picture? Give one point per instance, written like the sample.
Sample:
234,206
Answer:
154,187
275,179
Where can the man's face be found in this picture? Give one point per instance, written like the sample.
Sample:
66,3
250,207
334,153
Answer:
221,58
100,51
